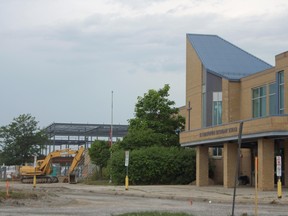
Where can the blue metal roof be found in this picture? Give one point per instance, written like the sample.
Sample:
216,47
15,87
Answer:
225,59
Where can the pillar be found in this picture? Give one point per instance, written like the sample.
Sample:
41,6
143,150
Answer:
202,166
285,161
230,152
265,164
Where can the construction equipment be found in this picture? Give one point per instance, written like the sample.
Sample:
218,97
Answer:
43,169
77,158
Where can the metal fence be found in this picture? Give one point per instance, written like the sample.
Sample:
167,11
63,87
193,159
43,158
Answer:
3,174
8,172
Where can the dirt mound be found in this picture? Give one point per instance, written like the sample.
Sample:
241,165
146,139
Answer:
29,197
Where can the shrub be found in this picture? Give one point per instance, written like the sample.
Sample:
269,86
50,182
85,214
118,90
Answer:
155,165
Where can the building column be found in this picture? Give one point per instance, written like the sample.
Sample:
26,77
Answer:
265,164
285,163
230,151
202,166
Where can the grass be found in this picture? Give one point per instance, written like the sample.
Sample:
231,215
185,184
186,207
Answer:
154,214
96,182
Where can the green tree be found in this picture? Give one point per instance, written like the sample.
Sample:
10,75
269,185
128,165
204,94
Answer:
100,154
156,121
20,140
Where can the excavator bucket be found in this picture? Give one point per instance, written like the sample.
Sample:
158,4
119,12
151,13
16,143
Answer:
72,178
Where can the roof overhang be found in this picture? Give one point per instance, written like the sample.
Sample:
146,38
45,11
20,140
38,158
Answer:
272,127
245,138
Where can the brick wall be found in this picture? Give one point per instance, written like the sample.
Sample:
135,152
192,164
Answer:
193,86
202,157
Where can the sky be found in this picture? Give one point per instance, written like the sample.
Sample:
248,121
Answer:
60,60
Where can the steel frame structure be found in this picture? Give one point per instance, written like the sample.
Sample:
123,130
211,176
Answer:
67,134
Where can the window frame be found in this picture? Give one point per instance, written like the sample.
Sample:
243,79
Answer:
217,108
261,100
219,152
273,95
281,92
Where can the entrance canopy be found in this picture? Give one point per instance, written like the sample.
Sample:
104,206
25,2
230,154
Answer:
272,127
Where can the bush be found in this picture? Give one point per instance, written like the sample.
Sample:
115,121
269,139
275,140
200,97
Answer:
155,165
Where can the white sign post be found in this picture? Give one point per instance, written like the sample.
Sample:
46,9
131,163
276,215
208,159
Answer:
126,158
279,174
278,166
126,164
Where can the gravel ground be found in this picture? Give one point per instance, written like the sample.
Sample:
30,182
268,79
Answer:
72,200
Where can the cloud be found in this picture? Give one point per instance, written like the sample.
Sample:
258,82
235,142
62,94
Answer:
64,67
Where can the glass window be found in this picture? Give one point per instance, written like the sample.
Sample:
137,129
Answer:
281,92
256,108
203,109
259,102
217,108
204,98
255,93
272,99
217,151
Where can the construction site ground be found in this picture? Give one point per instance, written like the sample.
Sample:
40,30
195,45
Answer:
81,199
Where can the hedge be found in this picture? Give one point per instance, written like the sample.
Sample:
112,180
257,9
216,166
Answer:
154,165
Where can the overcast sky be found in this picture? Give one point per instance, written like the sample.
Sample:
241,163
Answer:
61,59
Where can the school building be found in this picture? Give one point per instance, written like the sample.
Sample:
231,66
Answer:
224,86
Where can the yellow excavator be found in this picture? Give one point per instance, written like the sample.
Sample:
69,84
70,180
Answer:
43,168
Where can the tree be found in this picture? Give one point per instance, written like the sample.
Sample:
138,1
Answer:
156,121
20,140
100,154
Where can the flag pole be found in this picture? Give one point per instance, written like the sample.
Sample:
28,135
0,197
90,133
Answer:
111,127
111,134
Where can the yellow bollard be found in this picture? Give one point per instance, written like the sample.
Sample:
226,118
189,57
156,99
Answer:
279,189
34,180
126,182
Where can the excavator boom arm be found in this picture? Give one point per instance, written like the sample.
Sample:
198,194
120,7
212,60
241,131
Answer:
76,160
58,153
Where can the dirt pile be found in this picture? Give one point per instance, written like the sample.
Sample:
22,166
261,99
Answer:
31,197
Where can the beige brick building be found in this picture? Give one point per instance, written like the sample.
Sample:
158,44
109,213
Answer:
225,86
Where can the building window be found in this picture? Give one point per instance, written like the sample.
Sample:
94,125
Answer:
276,95
203,106
281,91
272,99
204,99
259,102
217,152
217,108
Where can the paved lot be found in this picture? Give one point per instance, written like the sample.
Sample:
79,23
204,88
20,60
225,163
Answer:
79,199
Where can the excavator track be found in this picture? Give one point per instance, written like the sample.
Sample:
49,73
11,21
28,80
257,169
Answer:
39,179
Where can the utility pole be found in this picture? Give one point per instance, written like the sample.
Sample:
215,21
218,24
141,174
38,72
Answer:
237,164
